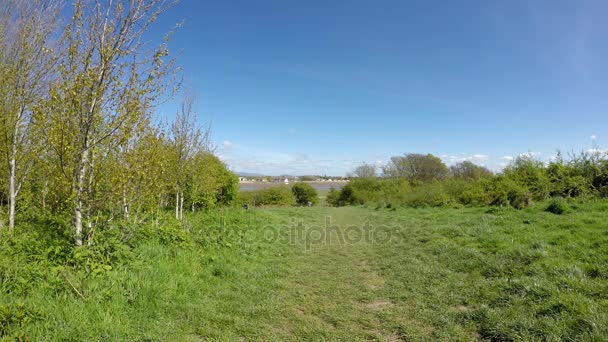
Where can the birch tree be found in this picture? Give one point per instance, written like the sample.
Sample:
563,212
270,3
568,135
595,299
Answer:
26,60
188,140
108,76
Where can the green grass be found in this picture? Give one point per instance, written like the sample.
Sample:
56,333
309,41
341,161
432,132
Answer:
444,274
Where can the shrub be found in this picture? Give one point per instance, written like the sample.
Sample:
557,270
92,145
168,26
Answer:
348,196
304,193
529,173
333,197
502,191
465,192
557,206
376,191
566,182
430,195
277,196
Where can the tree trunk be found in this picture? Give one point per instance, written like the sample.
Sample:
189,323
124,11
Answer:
177,205
12,196
90,190
125,203
78,198
12,192
44,192
181,207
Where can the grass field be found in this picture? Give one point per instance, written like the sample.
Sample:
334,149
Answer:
319,273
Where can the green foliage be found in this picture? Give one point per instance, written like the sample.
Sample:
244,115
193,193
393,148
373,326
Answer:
557,206
410,183
429,195
333,197
365,171
416,168
142,275
15,317
566,181
468,170
167,233
210,183
496,191
503,191
304,193
530,174
273,196
348,196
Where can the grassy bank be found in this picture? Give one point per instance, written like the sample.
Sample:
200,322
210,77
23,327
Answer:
410,274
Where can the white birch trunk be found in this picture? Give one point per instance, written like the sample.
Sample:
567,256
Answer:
177,205
78,206
181,206
12,195
125,203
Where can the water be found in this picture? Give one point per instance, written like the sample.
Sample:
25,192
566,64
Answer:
319,186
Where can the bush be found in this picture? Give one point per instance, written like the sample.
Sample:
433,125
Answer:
502,191
375,191
430,195
557,206
565,182
276,196
530,174
348,196
465,192
304,193
333,197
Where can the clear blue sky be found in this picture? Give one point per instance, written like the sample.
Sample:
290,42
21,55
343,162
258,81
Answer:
316,87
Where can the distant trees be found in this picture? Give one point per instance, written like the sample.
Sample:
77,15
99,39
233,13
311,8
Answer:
469,170
421,180
416,167
365,171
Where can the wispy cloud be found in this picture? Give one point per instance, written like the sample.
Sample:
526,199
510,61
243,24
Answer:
530,154
258,160
477,158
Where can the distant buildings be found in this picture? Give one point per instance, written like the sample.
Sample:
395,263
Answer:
291,179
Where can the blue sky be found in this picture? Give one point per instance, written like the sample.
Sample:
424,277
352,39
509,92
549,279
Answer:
317,87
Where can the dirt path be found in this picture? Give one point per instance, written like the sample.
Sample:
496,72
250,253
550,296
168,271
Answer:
332,292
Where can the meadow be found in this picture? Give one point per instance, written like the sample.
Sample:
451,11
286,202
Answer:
349,273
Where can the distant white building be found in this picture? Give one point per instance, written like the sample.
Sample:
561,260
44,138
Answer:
286,181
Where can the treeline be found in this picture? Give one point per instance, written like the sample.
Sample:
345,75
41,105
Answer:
77,136
424,180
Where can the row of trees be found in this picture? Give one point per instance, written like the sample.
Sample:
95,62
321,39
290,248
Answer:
76,102
422,168
423,180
